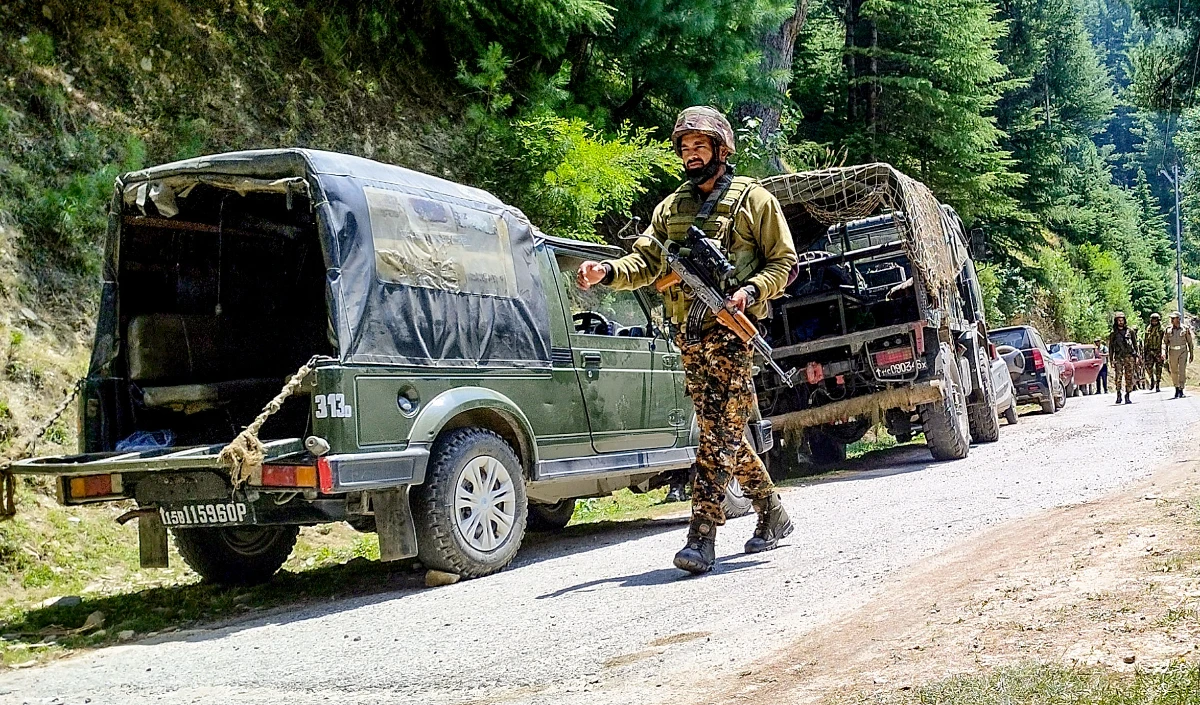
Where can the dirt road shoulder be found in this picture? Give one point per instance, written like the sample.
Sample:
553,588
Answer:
1113,583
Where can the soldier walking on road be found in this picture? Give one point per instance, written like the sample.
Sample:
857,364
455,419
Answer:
748,222
1102,378
1152,351
1122,351
1180,352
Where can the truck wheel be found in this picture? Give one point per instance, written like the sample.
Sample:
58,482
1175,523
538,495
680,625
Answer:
1010,414
236,555
946,425
736,503
551,517
470,514
1049,406
981,417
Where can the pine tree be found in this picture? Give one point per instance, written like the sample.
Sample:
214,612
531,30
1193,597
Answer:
923,78
663,55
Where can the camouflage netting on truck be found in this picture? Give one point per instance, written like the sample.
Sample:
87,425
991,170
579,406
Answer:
843,194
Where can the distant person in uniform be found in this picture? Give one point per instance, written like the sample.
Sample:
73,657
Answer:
1102,378
1180,351
1122,349
1152,352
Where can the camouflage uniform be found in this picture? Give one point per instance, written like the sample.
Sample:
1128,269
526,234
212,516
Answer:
1122,351
748,223
721,387
1152,345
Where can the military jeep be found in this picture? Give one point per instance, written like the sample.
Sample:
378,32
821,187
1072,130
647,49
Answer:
462,383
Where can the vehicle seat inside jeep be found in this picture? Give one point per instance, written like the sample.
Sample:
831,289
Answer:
190,362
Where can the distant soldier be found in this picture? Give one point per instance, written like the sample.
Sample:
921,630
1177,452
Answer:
1102,377
1122,350
1139,372
1152,351
1180,352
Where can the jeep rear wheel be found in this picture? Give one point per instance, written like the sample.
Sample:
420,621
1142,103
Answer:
236,555
471,512
945,421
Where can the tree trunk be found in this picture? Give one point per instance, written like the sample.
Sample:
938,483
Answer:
778,50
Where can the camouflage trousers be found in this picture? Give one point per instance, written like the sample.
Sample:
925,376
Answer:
1123,370
719,381
1154,368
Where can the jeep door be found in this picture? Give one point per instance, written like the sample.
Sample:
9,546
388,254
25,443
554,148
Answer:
624,370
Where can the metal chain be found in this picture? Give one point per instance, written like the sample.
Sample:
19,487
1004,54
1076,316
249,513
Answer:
8,505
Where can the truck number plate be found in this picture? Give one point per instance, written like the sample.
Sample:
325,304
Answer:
901,368
207,514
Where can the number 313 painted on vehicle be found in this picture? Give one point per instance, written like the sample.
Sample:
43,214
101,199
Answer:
333,406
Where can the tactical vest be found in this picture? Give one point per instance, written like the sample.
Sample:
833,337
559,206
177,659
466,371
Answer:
740,247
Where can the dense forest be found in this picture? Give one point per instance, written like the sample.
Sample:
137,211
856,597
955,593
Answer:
1048,124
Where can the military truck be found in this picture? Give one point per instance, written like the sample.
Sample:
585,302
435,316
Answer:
461,384
885,320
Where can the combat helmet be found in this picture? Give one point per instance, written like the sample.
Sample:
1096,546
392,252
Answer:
1175,314
1118,314
705,120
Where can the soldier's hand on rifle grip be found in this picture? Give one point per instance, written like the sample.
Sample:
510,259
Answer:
590,274
741,299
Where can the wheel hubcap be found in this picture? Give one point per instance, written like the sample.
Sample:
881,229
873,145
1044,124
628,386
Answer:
485,507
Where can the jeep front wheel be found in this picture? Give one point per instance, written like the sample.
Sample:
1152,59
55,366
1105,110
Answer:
236,555
470,514
551,517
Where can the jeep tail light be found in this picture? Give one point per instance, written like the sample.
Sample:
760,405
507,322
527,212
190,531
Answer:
919,336
892,357
289,476
992,351
325,475
814,373
95,486
1038,362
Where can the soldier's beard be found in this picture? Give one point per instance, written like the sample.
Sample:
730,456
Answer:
701,174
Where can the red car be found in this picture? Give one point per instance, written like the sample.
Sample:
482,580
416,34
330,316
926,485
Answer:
1080,366
1087,366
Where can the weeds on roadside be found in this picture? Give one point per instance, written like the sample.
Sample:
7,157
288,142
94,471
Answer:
1044,684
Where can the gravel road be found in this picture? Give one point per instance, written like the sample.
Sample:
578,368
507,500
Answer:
600,616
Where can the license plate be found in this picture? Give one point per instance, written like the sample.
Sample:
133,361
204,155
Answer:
207,514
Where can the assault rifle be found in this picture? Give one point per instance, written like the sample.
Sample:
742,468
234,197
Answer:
698,263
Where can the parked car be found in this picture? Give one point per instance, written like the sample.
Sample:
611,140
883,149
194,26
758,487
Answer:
1086,362
1040,380
1006,394
1066,367
462,383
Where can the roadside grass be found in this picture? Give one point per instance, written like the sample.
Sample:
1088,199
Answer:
1041,684
624,505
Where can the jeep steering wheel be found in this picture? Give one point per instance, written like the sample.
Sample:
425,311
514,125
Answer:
589,321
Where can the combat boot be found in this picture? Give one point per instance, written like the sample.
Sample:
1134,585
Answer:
773,524
700,553
1127,398
1120,399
